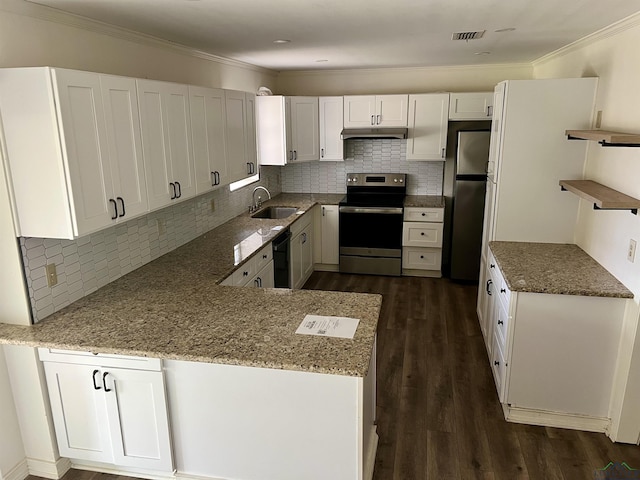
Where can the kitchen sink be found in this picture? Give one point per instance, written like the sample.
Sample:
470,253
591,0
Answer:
275,212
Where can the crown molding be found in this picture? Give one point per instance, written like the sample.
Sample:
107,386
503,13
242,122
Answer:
42,12
369,71
612,30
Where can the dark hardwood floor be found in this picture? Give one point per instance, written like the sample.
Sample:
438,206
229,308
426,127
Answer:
438,412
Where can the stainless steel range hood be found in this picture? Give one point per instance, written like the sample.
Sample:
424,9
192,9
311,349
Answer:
348,133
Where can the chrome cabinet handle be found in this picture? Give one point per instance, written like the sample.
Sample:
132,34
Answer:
213,179
322,153
115,208
217,177
179,190
443,153
489,283
96,386
373,119
121,200
378,118
173,195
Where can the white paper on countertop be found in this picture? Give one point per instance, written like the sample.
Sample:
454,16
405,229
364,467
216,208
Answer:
324,326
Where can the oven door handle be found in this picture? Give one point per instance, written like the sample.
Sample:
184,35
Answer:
382,210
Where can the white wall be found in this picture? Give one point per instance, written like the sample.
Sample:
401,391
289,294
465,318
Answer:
11,447
399,80
614,57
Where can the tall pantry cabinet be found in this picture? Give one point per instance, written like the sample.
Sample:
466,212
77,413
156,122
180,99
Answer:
529,154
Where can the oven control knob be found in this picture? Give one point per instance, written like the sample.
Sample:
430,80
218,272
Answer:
401,180
395,180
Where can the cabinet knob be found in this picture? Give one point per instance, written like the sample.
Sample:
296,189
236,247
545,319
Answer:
500,322
502,290
492,266
424,214
264,256
421,256
421,233
496,363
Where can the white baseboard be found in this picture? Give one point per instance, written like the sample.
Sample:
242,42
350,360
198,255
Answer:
325,267
412,272
545,418
120,471
46,469
370,458
19,472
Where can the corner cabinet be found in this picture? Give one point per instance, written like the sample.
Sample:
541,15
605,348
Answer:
331,113
80,132
428,121
105,411
166,142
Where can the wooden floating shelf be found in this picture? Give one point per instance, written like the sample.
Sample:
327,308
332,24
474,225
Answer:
605,138
604,198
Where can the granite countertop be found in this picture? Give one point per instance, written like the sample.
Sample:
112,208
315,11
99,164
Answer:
424,201
174,308
561,269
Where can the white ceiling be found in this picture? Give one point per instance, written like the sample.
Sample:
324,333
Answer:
360,33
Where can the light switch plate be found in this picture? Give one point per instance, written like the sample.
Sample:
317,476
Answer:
631,253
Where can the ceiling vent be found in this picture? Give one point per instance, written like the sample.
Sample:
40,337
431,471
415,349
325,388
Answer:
468,35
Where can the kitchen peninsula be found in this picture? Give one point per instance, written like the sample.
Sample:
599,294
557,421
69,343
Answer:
247,397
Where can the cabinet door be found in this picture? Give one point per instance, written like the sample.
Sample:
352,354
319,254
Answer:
264,278
428,117
272,134
250,134
124,140
295,260
391,110
304,129
236,124
206,108
470,106
330,232
306,254
166,141
331,117
79,411
359,111
138,421
83,131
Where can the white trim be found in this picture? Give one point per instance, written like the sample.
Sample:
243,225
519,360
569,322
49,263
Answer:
19,472
545,418
370,459
325,267
403,70
616,28
46,469
119,471
42,12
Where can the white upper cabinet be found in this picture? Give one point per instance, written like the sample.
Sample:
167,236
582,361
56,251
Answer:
240,135
166,142
208,130
375,111
331,118
428,119
471,106
303,128
74,150
287,129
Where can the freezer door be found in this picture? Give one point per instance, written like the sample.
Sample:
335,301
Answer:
466,234
473,153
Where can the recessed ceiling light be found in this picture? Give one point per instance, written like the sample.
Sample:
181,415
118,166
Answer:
502,30
482,53
282,41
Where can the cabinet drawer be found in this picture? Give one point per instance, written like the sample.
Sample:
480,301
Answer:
422,258
244,273
498,367
416,214
502,322
99,359
418,234
263,257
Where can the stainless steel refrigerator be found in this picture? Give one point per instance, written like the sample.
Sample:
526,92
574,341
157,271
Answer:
468,204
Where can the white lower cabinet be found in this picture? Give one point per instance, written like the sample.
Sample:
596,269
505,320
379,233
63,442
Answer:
422,241
264,278
301,251
108,414
326,230
258,271
553,357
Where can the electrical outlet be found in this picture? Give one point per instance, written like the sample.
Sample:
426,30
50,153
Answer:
599,119
162,226
631,253
52,274
213,205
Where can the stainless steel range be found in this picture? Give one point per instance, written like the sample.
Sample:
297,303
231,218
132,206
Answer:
371,223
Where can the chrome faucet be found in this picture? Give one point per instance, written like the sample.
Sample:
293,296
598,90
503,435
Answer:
258,204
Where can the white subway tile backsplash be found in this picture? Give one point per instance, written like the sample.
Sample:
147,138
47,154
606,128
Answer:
88,263
388,155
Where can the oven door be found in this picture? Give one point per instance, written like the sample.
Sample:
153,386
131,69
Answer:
370,240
